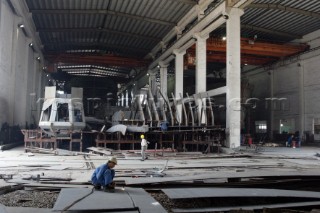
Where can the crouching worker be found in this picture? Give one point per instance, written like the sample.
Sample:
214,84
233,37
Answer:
103,176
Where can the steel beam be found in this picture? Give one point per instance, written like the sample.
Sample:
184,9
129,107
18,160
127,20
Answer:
139,36
77,45
103,12
191,2
255,48
110,60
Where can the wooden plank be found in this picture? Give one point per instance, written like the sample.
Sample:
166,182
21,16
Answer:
185,193
253,207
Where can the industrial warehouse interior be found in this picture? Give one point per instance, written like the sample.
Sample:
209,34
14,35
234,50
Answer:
141,106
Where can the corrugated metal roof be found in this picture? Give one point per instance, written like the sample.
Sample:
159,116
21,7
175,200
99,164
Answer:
280,20
57,24
134,27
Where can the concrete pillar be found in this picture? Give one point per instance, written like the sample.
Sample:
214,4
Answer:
127,98
301,99
233,121
179,80
122,99
12,104
270,104
132,96
201,71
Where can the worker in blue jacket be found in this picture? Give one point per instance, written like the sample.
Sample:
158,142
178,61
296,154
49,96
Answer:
103,176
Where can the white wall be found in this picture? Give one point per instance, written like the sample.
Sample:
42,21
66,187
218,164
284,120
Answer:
298,80
20,72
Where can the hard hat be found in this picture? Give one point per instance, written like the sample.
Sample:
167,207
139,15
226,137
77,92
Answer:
113,160
142,136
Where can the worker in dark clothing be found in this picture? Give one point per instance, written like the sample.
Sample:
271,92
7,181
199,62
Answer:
103,176
289,142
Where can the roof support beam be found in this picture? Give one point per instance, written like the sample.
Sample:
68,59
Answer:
93,45
256,47
106,60
221,58
284,8
238,3
103,12
189,17
214,16
269,31
99,30
192,2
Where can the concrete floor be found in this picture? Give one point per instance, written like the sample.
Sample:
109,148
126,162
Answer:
188,168
21,164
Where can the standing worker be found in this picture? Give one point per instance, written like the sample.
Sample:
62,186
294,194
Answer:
144,145
103,176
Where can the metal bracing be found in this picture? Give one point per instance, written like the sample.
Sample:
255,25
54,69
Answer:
106,12
284,8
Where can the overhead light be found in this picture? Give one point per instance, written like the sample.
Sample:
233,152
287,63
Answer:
31,44
158,66
148,74
245,64
134,84
47,75
44,68
21,26
38,58
224,38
